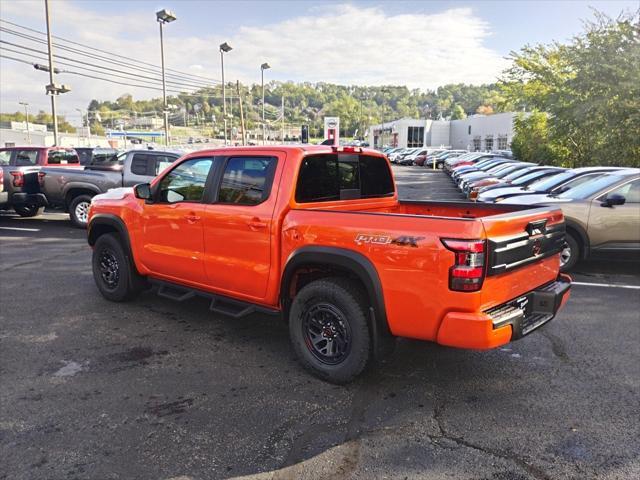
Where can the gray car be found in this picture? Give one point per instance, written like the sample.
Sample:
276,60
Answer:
73,189
601,215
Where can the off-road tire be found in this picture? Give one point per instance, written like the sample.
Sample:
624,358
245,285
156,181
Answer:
572,246
126,283
81,202
28,211
347,298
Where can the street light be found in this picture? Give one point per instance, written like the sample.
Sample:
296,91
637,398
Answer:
164,16
224,48
26,114
263,67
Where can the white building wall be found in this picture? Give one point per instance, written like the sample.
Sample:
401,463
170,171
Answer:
463,132
439,134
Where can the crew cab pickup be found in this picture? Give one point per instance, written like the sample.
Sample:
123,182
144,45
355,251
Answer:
19,168
73,189
317,234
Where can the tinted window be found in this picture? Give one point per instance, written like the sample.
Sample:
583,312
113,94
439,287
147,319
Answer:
590,188
247,180
630,191
5,156
186,182
26,157
324,178
62,157
140,163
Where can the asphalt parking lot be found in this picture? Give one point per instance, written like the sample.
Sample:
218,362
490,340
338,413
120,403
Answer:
159,390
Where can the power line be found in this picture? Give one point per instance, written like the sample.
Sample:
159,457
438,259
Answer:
178,92
211,80
87,64
119,64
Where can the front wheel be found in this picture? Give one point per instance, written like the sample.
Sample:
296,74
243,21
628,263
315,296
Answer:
569,254
329,330
79,211
115,276
28,211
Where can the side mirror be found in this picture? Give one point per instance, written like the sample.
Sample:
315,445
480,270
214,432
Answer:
615,199
142,191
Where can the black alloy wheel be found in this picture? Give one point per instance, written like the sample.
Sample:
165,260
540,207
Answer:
327,333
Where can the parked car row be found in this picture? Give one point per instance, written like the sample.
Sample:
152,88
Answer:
601,205
421,156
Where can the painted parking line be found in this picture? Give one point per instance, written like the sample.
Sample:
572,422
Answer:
19,229
607,285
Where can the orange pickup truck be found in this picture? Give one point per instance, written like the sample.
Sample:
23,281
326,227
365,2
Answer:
318,236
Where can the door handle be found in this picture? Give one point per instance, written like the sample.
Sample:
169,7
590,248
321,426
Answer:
255,224
192,217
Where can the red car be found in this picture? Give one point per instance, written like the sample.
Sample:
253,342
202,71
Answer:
20,168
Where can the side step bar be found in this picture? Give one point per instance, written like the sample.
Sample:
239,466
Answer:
219,303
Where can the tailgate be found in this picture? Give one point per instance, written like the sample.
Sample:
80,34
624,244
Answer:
522,252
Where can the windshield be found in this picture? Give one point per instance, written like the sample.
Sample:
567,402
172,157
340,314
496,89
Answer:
546,184
588,189
508,170
531,176
517,174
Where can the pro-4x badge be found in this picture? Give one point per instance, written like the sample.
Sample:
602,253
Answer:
404,240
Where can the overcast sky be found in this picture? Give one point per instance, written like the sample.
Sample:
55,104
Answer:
419,44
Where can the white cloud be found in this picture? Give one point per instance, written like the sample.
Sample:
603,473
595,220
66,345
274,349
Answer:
348,44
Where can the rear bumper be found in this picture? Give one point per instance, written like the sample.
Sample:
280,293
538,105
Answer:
507,322
29,199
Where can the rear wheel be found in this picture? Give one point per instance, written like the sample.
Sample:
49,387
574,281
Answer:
115,276
79,211
329,330
28,210
570,253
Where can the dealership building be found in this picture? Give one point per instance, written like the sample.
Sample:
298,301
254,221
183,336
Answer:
474,133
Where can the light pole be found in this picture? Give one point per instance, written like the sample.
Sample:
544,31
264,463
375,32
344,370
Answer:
26,114
263,67
164,16
224,48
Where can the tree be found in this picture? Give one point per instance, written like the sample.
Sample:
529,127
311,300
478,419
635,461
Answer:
457,113
591,89
532,139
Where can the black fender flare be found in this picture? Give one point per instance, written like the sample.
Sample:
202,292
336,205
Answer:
114,223
582,234
346,259
87,187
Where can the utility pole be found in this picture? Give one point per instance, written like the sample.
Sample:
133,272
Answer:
244,139
263,67
224,48
51,75
164,16
283,119
26,114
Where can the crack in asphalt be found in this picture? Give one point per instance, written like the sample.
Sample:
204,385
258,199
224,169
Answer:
351,444
532,470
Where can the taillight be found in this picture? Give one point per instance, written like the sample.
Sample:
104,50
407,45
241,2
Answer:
18,178
41,178
467,273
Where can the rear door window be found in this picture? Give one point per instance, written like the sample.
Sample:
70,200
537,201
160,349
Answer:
142,163
24,158
62,157
330,177
247,180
